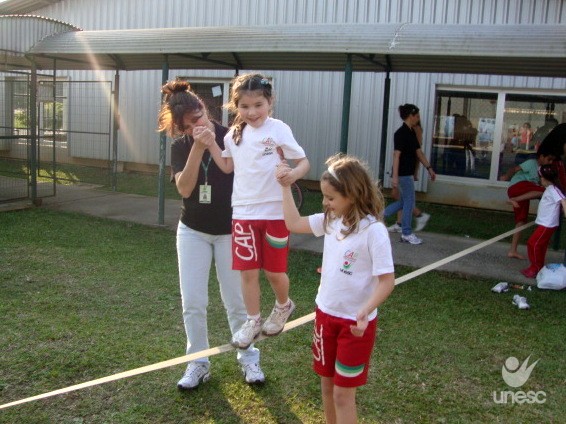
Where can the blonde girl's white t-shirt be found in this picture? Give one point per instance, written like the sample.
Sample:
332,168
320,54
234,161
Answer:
349,265
548,213
257,194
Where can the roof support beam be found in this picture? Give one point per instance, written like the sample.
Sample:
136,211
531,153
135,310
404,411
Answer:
384,119
119,62
162,152
33,130
371,58
238,61
346,104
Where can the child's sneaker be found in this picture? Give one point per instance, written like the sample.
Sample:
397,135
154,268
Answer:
395,228
502,287
411,239
521,302
277,319
253,373
421,221
245,336
196,373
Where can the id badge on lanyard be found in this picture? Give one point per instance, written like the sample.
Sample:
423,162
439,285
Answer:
205,191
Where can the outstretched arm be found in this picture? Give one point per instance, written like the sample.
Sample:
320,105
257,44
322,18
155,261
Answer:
293,220
226,165
301,168
384,285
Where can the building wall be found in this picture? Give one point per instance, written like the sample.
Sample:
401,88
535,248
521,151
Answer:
310,102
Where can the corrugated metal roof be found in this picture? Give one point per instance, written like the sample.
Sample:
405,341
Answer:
537,50
11,7
19,33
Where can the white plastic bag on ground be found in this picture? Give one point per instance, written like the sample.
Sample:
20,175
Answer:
552,277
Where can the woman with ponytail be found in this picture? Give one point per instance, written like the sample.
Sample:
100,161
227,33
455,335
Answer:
204,229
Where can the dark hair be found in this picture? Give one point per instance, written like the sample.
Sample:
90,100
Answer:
241,85
407,110
550,173
352,179
178,100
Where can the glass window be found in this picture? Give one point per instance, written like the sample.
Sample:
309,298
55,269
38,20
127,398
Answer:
464,129
212,94
527,121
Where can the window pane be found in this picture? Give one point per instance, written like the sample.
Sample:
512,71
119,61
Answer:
463,133
527,121
211,95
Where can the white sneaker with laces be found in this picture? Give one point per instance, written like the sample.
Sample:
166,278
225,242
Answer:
196,373
245,336
421,221
253,373
411,239
276,321
520,302
395,228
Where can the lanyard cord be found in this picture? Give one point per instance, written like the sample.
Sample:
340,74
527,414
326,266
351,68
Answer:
205,168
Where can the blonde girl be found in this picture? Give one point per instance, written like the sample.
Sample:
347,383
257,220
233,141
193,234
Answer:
357,276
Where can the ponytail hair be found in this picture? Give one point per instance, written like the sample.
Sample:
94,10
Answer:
241,85
178,100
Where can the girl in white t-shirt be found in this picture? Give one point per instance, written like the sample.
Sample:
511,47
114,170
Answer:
260,239
548,216
357,277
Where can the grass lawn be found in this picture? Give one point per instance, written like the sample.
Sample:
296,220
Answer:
82,298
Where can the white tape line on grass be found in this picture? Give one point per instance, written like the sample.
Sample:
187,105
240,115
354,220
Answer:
225,348
149,368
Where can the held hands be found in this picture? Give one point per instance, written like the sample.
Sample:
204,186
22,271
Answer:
203,137
361,325
283,172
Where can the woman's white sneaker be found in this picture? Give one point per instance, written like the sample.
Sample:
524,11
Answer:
411,238
253,373
196,373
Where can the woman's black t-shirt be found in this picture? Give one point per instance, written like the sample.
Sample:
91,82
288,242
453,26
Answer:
215,217
405,140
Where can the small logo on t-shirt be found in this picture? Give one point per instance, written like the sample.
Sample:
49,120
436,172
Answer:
349,259
269,146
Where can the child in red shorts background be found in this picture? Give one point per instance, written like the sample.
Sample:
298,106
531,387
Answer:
524,183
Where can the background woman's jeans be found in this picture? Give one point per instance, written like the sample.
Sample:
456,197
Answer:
406,202
195,251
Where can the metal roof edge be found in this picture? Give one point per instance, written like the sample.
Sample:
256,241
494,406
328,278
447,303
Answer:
42,18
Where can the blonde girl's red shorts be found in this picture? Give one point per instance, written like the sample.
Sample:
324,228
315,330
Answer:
340,355
260,244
